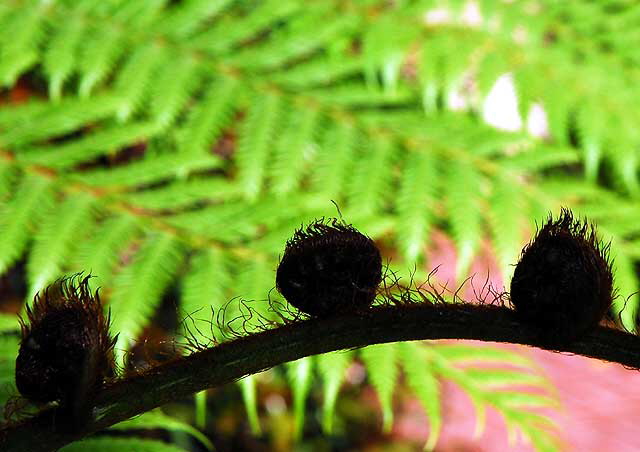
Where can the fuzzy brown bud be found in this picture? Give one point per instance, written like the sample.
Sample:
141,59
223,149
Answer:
328,268
66,351
563,283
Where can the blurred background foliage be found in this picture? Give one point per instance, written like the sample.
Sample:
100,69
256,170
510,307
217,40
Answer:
171,148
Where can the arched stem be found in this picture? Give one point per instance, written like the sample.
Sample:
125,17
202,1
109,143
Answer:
248,355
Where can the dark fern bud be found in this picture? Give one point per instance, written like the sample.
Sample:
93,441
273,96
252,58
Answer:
563,284
66,352
328,268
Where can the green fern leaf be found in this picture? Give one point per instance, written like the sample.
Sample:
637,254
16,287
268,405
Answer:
463,189
33,198
335,159
207,119
250,399
100,254
156,419
148,170
292,149
505,212
97,56
416,364
184,19
300,374
112,444
57,234
88,147
204,290
138,288
171,88
256,137
134,78
415,203
39,122
382,370
370,185
183,193
22,29
332,368
8,352
59,58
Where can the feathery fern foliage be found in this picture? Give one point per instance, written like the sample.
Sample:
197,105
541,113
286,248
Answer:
180,143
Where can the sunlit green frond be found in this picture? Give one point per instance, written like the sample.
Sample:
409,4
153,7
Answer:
334,159
415,203
89,147
300,374
416,363
505,215
382,371
463,196
138,288
103,251
206,120
149,170
331,368
257,133
61,53
22,30
58,233
8,351
156,419
21,215
204,293
370,184
294,147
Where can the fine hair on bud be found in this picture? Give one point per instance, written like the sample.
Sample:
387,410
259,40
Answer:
563,283
66,351
328,268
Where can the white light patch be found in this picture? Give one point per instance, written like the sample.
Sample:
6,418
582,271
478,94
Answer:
500,107
537,123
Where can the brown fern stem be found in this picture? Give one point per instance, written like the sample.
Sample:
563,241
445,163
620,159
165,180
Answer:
248,355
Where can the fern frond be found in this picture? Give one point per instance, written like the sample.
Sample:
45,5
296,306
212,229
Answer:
370,185
464,187
36,122
138,288
89,147
419,185
292,149
33,197
204,293
172,85
300,374
62,51
102,252
183,193
58,232
421,379
113,444
335,159
184,19
332,368
156,419
21,32
382,371
134,78
209,116
147,171
8,351
256,137
506,210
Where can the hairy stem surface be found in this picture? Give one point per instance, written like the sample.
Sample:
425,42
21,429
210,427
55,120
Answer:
248,355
